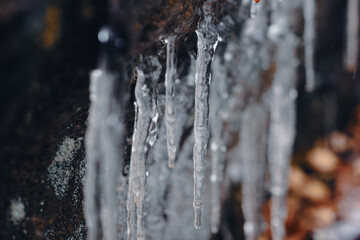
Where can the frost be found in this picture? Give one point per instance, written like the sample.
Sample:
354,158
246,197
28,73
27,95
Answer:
17,211
78,235
61,169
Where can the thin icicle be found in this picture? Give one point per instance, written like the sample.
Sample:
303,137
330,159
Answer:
143,99
218,98
253,157
92,201
170,113
282,132
207,41
309,10
143,138
352,35
133,184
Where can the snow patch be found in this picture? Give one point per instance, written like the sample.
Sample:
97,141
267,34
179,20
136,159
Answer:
17,210
61,169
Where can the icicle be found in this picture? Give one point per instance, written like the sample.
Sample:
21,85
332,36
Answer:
110,137
133,183
253,157
157,186
282,111
143,138
179,209
352,35
218,98
282,131
92,201
170,113
207,40
309,10
104,141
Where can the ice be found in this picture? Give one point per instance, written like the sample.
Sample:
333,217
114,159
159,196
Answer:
174,118
218,102
255,8
207,41
253,143
309,11
282,132
143,139
170,112
352,35
103,138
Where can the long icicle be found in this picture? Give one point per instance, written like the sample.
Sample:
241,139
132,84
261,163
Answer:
309,10
253,158
352,35
217,144
133,184
170,112
143,98
143,139
104,144
207,41
111,138
103,139
282,131
93,155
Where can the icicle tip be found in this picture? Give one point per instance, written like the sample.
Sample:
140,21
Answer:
309,87
197,222
171,164
214,229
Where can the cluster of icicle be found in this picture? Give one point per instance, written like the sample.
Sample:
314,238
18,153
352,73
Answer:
248,124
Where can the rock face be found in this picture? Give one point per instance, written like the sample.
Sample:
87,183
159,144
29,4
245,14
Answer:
47,51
